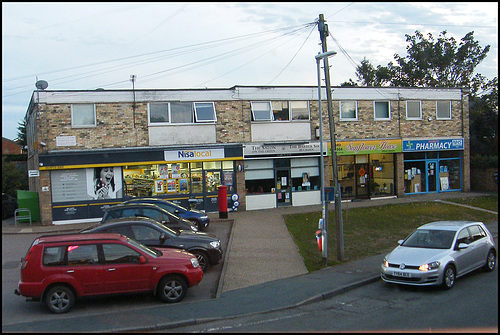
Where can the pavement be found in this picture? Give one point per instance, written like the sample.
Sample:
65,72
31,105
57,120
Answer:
262,271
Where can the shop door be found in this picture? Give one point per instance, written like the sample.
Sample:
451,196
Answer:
432,176
212,180
283,187
362,181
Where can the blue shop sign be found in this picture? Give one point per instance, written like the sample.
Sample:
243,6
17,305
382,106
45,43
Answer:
433,145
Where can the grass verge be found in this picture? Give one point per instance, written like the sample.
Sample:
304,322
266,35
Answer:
374,230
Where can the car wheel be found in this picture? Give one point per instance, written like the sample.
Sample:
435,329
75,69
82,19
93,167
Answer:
59,299
172,289
490,261
449,277
197,224
202,259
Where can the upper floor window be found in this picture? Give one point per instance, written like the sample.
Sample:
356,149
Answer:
161,113
413,110
261,111
83,115
382,110
280,110
349,110
443,110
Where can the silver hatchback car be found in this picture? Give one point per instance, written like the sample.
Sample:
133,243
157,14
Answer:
439,252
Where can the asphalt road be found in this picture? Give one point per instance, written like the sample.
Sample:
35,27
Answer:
15,309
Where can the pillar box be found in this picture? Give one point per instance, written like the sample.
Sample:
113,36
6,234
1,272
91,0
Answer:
222,199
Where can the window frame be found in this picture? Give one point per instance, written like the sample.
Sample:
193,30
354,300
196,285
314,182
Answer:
355,118
388,118
160,123
448,107
74,125
419,107
197,120
293,117
270,111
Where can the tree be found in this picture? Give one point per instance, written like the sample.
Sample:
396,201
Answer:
21,132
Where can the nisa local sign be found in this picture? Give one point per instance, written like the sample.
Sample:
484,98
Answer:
433,145
194,155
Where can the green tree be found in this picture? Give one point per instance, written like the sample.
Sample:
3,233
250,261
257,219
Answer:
13,178
22,137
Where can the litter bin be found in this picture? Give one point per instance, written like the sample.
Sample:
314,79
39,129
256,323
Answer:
29,200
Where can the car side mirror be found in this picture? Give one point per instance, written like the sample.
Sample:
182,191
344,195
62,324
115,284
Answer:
142,259
163,237
400,242
463,246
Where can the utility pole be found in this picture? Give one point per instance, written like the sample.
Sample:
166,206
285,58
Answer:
323,32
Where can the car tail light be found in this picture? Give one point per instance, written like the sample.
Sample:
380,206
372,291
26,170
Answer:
24,261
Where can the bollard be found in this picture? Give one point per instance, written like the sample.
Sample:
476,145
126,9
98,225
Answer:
222,199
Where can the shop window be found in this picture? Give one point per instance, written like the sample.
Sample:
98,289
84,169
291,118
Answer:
305,174
443,110
349,110
259,176
382,180
345,173
382,110
414,110
449,174
415,177
204,112
83,115
261,111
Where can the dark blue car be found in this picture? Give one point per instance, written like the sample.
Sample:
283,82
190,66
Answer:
199,218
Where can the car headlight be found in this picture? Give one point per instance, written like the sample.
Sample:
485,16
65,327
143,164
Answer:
385,263
195,262
429,266
215,244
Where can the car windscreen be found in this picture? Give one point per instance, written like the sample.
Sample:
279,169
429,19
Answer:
430,238
150,251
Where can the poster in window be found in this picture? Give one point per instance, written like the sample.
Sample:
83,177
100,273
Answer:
176,168
444,183
104,182
171,186
163,171
183,185
159,186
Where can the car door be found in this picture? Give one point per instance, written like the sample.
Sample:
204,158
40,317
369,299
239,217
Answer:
479,246
122,270
464,258
83,265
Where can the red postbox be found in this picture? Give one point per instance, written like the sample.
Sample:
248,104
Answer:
222,199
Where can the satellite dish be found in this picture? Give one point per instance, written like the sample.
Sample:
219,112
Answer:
41,84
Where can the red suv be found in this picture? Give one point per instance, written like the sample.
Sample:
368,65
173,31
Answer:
59,268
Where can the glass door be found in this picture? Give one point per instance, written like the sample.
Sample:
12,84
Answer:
212,180
362,181
432,176
283,187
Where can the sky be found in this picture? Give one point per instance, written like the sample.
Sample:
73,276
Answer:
172,45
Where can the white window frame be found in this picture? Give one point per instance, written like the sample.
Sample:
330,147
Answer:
419,117
198,119
158,123
449,110
355,118
254,104
73,111
290,108
388,118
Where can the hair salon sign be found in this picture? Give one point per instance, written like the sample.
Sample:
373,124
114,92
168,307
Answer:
368,147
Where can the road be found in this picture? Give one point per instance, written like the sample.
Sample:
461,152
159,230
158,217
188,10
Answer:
15,309
471,306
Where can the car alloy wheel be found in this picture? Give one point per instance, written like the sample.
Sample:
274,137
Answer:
59,299
172,289
449,277
490,261
202,259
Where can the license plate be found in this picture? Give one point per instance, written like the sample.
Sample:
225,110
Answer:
401,274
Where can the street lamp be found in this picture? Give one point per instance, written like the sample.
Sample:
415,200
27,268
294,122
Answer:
324,229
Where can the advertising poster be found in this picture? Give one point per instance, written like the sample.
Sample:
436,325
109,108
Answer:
105,182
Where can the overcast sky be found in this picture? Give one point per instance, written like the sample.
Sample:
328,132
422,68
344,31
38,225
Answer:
84,46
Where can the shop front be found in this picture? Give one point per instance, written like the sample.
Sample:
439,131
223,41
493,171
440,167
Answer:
366,168
433,165
278,175
187,176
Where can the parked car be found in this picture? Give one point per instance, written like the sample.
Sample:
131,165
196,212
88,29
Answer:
200,219
439,252
58,269
205,246
9,205
148,210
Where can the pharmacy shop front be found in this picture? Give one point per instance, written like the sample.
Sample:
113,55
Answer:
433,165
